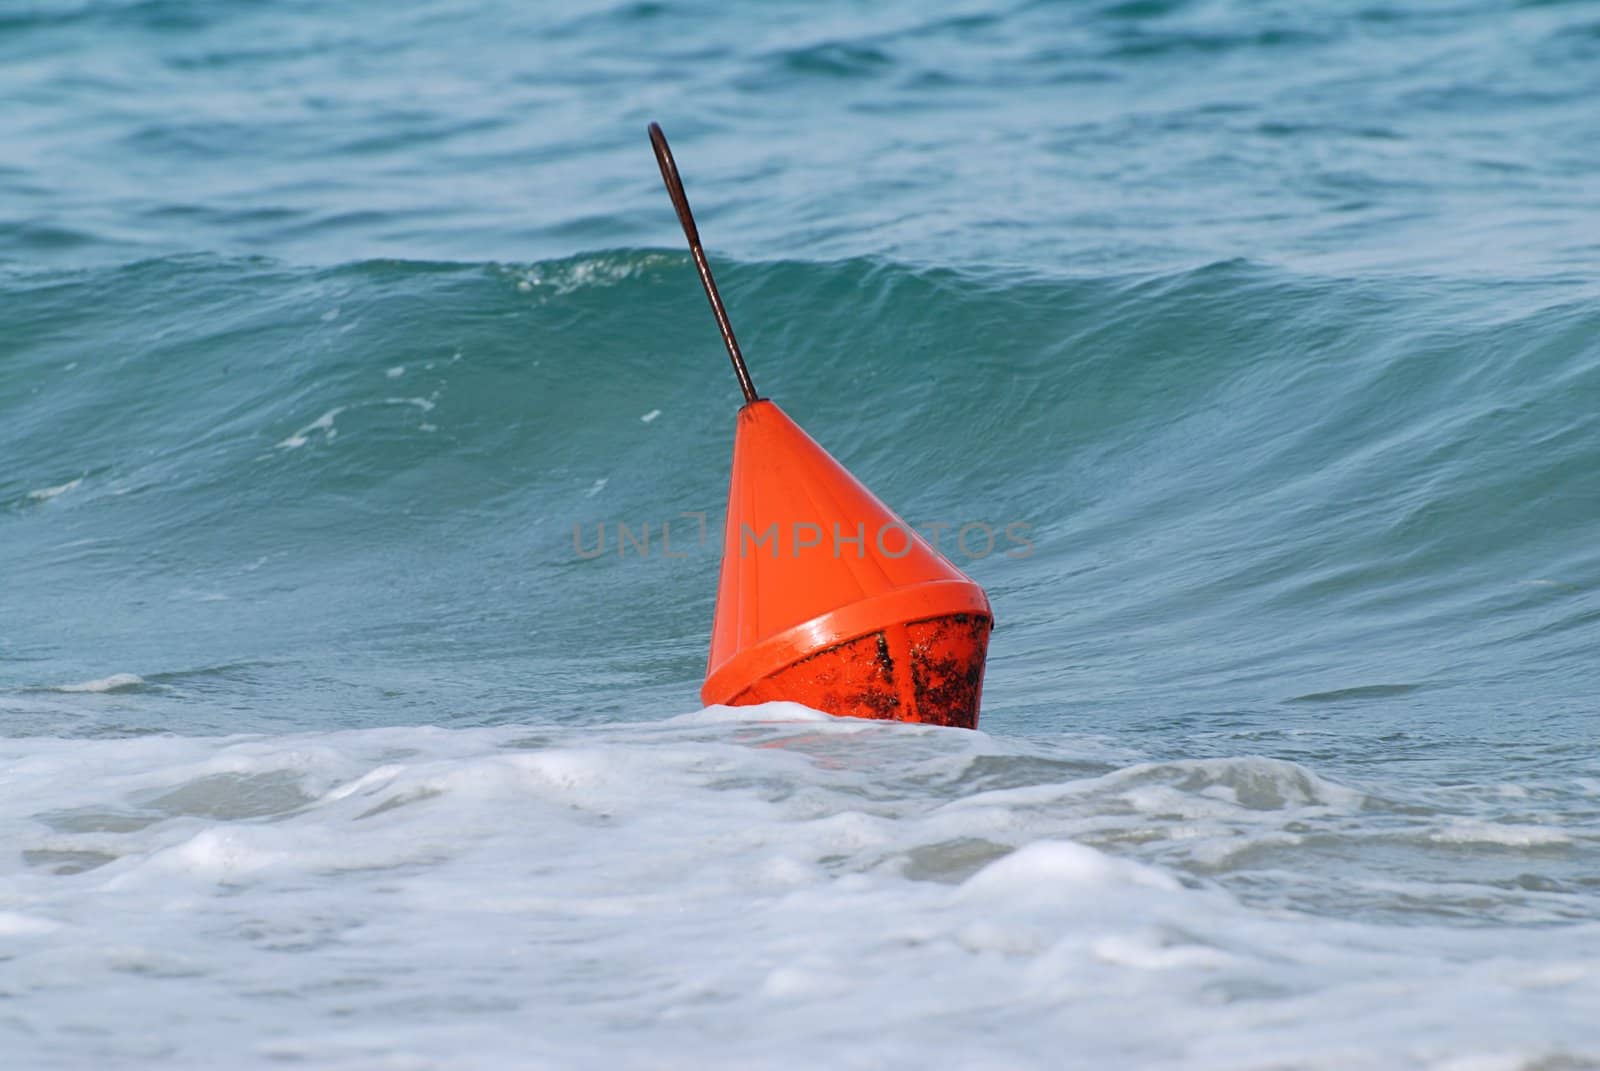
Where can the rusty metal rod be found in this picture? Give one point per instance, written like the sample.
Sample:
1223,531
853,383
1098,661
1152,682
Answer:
680,201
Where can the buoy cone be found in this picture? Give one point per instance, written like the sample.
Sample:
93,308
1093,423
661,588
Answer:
826,597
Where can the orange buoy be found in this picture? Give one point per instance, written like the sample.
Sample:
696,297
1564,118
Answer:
826,597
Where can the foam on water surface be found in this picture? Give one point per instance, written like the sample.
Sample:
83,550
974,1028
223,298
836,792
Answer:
44,494
726,887
115,682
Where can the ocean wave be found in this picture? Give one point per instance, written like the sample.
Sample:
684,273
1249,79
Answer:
465,865
1230,453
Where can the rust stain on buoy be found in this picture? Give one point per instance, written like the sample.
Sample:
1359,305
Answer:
944,685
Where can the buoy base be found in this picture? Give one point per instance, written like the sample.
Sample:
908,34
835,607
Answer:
928,671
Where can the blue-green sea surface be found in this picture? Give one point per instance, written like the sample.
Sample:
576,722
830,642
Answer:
1247,352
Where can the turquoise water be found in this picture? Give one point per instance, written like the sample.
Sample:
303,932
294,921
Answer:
331,335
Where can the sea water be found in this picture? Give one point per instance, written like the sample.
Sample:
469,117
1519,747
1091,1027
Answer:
1248,353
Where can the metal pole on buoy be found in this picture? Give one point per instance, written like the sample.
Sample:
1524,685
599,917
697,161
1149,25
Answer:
680,202
826,596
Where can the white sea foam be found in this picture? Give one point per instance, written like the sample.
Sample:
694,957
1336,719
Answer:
104,684
424,404
559,280
326,422
1465,831
766,712
44,494
15,925
736,887
323,423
